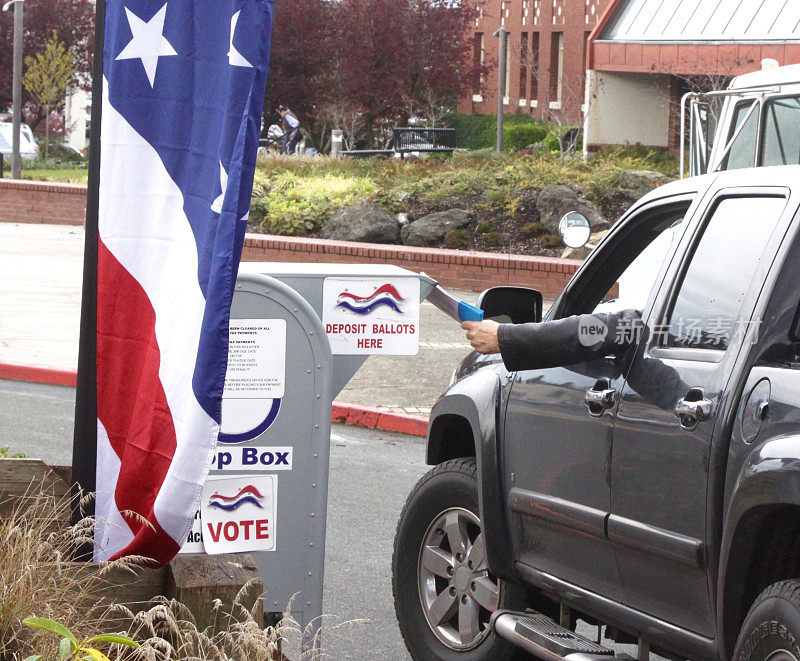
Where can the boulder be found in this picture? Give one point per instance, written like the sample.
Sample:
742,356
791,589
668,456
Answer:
430,230
637,183
367,223
555,201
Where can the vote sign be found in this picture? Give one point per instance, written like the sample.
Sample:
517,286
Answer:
238,514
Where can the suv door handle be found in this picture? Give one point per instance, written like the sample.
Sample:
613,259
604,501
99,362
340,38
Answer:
693,408
600,398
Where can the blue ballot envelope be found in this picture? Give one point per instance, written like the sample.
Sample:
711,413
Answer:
453,307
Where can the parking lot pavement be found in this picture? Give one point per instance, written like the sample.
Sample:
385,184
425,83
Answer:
41,270
40,298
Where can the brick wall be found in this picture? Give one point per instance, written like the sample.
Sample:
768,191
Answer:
540,20
474,271
65,204
40,202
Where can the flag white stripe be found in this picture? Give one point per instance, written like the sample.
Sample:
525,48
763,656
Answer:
144,225
111,531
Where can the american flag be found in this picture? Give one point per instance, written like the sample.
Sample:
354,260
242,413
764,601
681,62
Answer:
183,89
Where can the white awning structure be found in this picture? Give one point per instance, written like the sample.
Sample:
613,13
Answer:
676,21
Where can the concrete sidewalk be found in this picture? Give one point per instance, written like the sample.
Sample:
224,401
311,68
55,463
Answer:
41,270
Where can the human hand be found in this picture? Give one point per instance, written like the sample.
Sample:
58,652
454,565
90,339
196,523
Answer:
482,335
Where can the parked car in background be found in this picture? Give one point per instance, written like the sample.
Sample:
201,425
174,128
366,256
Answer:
28,148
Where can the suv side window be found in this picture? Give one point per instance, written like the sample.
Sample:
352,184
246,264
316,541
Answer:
627,268
705,312
634,284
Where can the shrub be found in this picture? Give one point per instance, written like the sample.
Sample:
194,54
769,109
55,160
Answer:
639,157
551,241
457,239
519,136
296,205
486,226
480,131
491,239
532,229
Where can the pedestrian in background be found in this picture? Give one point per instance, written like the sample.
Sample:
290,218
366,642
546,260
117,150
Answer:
291,130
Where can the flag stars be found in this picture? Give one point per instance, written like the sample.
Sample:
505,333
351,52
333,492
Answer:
216,206
235,58
148,43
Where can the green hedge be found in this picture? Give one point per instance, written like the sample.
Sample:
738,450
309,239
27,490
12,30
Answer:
480,131
519,136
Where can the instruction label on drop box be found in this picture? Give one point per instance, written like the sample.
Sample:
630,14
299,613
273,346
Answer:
256,359
370,316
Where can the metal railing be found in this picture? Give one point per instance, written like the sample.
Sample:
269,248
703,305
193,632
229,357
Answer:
412,139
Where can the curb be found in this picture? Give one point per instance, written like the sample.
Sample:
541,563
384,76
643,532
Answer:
38,374
375,418
348,414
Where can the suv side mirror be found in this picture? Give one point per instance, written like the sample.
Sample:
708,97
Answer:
517,305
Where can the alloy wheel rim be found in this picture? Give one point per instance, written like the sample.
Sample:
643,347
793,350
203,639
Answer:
457,592
781,655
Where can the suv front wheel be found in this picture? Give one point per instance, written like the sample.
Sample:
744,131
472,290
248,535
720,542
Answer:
444,594
771,630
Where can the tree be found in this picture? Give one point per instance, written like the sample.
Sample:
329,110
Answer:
364,65
46,78
74,22
299,58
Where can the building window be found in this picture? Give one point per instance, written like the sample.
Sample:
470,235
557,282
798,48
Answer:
556,69
537,11
558,12
534,67
523,67
592,11
505,11
478,58
526,10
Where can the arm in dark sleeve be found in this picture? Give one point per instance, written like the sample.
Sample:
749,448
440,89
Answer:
565,341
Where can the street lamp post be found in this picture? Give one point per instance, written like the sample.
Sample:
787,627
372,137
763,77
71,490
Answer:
16,89
501,84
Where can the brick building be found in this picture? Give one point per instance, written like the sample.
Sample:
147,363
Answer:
643,55
547,50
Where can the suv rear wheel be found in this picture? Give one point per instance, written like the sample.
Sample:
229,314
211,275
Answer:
771,630
444,594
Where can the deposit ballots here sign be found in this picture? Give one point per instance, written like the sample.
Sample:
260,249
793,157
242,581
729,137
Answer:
371,316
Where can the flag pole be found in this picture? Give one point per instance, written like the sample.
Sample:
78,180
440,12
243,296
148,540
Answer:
84,444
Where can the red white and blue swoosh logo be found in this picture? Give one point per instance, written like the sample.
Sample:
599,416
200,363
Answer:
385,296
248,494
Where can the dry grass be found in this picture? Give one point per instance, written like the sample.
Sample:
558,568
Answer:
38,579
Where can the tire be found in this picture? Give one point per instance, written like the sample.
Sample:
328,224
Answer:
771,630
432,590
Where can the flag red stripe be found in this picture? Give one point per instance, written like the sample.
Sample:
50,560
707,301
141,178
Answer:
131,403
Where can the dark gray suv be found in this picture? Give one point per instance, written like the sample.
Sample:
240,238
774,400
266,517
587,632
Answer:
653,493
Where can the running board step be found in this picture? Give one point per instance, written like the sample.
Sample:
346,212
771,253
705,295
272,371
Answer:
540,636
